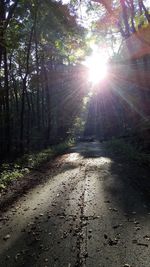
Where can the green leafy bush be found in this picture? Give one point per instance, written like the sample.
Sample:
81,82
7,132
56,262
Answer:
10,172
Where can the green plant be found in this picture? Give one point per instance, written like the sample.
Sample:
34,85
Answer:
13,171
128,151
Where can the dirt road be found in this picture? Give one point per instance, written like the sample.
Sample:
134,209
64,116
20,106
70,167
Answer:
88,212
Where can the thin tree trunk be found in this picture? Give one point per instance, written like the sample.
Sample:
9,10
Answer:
48,107
125,18
24,92
22,117
38,87
7,121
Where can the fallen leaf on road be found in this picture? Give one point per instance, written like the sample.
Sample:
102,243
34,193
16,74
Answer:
147,237
142,244
105,236
17,255
112,242
117,225
6,237
137,228
106,201
113,209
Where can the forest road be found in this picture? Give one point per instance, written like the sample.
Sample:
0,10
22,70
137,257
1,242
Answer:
86,213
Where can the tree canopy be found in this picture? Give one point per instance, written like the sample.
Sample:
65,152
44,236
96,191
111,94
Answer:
42,46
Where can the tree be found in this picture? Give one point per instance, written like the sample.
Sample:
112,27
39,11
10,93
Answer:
40,42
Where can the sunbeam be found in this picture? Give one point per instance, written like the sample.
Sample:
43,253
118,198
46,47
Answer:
97,67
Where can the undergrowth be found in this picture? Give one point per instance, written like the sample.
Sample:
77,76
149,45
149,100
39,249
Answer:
128,151
23,165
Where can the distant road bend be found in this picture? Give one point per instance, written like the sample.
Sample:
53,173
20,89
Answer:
86,213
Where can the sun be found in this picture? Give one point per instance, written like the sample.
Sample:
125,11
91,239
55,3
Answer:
97,67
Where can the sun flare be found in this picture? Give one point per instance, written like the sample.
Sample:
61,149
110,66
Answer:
97,67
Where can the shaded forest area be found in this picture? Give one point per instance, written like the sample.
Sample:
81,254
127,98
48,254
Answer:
39,93
42,81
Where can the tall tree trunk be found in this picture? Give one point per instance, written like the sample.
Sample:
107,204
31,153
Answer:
22,116
7,122
132,15
38,83
2,20
24,92
47,91
125,18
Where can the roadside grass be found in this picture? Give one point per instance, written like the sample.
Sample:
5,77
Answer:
28,162
128,151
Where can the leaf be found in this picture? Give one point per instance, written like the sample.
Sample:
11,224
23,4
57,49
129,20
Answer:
6,237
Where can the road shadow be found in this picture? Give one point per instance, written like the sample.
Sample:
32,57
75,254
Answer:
125,181
42,239
49,238
38,176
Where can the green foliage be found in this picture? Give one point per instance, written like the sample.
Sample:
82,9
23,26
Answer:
13,171
34,160
43,43
128,152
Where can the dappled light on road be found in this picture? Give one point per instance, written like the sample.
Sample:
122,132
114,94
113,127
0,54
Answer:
73,157
86,212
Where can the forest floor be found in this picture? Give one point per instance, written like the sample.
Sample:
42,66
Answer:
85,208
